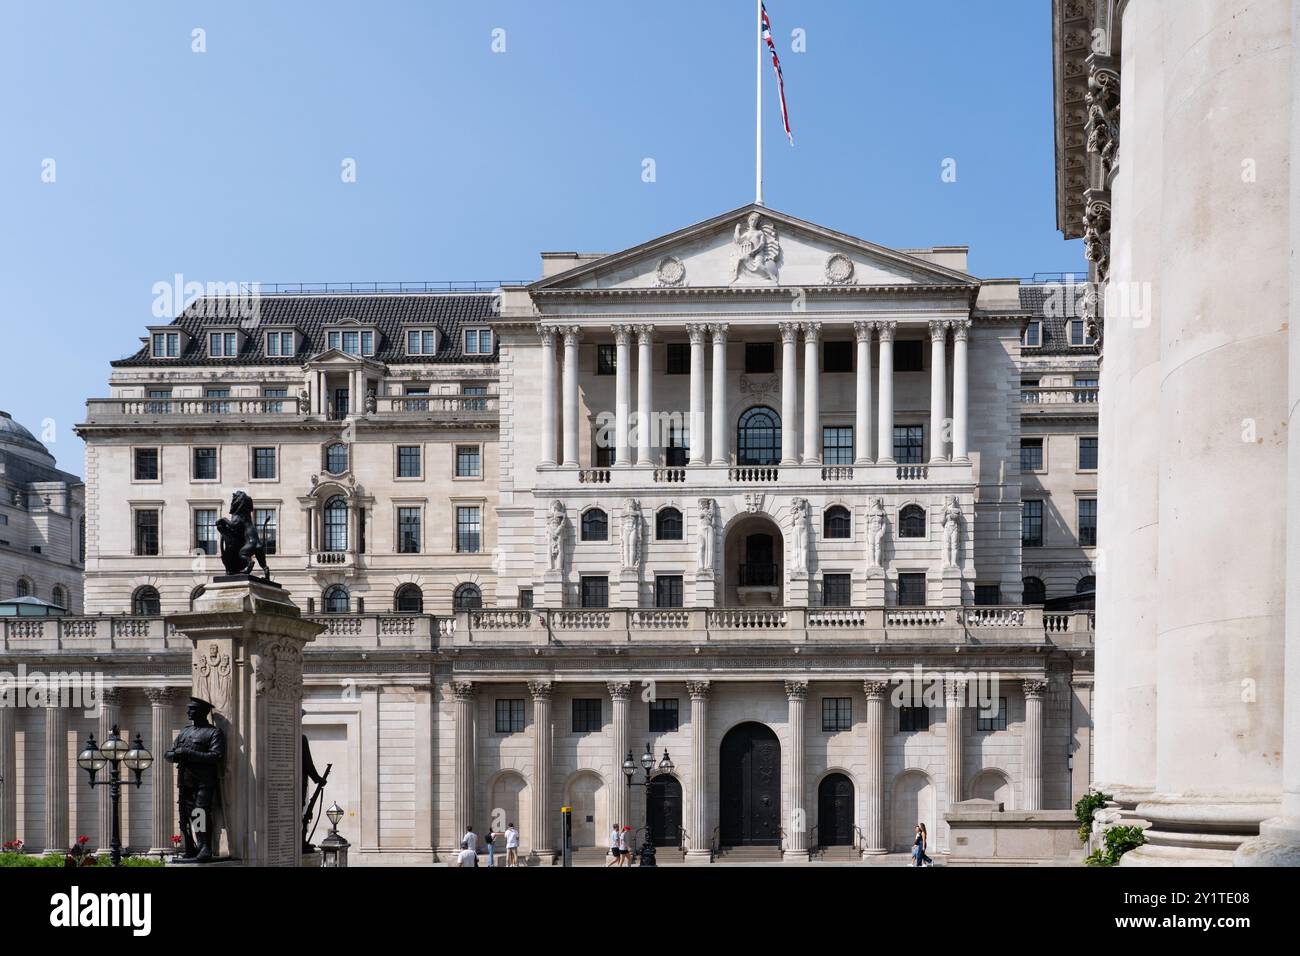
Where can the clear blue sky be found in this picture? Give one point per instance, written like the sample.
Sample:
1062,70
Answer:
225,165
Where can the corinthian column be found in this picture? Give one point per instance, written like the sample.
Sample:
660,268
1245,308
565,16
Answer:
938,387
571,335
160,739
955,700
622,394
463,794
862,405
645,394
789,392
110,716
700,849
885,407
1034,691
873,815
812,393
547,334
8,770
541,796
619,692
698,334
56,779
960,388
796,695
719,430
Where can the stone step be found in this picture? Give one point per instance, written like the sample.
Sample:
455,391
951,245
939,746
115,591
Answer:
836,854
749,854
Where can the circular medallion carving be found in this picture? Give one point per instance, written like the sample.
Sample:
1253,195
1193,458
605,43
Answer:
839,269
671,271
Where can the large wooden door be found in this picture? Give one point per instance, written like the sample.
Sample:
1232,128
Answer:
751,787
665,810
835,811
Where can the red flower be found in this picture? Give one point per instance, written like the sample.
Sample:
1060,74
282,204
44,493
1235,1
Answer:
176,838
83,839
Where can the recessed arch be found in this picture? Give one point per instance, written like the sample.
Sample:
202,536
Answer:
993,784
467,597
915,801
585,793
836,803
594,524
146,602
669,525
912,521
1085,584
511,802
408,598
1035,591
837,523
336,599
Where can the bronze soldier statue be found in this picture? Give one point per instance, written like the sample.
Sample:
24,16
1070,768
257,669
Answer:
200,755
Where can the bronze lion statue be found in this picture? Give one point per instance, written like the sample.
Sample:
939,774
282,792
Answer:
241,544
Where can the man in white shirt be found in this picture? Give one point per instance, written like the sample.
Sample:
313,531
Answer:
470,839
614,859
466,857
512,845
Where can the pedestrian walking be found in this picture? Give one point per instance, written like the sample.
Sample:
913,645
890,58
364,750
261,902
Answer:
615,855
512,845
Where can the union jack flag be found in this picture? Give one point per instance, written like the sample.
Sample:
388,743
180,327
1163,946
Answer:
776,65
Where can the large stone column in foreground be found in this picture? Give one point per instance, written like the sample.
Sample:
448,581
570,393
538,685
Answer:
248,653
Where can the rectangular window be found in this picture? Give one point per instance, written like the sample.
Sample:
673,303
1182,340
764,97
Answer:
163,407
205,530
1031,524
408,461
1088,453
205,464
664,717
166,344
1029,393
146,532
1034,335
909,444
468,464
837,590
469,529
223,344
909,356
408,530
1078,333
267,521
837,356
988,595
595,591
606,360
264,463
677,361
279,344
668,590
837,445
911,590
760,358
1031,454
146,464
837,714
1088,522
913,719
991,722
586,715
352,343
604,457
525,597
421,342
275,408
478,342
475,404
216,407
367,343
678,447
510,716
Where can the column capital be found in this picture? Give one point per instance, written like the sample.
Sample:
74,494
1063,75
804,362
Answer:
719,332
698,333
619,689
463,689
698,689
623,333
1034,688
540,689
960,329
796,690
160,696
938,330
112,696
547,333
812,331
954,690
572,334
887,330
862,331
789,332
645,334
875,689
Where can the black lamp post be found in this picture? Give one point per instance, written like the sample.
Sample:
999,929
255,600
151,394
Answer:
648,765
114,754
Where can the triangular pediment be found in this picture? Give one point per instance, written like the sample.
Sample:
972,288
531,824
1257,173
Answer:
337,358
753,246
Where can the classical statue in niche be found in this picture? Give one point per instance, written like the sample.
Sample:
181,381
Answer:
951,531
631,533
707,529
755,249
555,522
241,545
876,522
799,535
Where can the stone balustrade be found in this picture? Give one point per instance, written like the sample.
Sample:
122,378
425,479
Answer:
250,408
941,476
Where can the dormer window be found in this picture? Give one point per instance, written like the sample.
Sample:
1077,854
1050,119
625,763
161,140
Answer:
280,344
421,341
166,344
353,342
1079,334
1034,334
223,344
478,341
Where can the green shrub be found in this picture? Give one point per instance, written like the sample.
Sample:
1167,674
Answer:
1088,804
10,859
1119,840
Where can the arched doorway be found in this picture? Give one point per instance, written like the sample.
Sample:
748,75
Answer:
752,553
835,811
750,795
913,803
586,795
664,810
992,785
510,804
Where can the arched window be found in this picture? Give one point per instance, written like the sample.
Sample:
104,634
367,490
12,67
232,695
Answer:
59,598
335,599
195,595
336,458
1035,591
836,523
758,437
409,598
595,525
467,598
668,525
911,522
1085,585
145,602
24,588
336,524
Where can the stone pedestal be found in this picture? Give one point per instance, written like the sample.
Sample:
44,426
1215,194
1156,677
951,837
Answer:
248,642
553,590
951,587
875,588
629,584
705,592
796,590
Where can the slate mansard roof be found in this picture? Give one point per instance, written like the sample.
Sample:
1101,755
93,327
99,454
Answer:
1056,305
390,314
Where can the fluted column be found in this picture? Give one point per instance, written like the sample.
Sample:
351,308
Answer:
812,393
463,786
698,836
622,394
955,700
56,779
719,430
885,407
789,392
619,811
547,335
8,773
110,716
543,847
873,817
796,826
570,385
960,389
645,430
862,404
938,387
1034,691
698,334
160,741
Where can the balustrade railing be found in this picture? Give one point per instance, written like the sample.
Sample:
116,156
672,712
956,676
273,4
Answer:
672,475
759,575
754,473
1059,395
837,617
594,476
912,472
837,473
747,619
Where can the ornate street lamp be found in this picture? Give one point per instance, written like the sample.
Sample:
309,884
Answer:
629,771
334,849
114,754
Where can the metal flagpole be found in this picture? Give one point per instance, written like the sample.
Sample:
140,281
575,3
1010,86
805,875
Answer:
758,115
